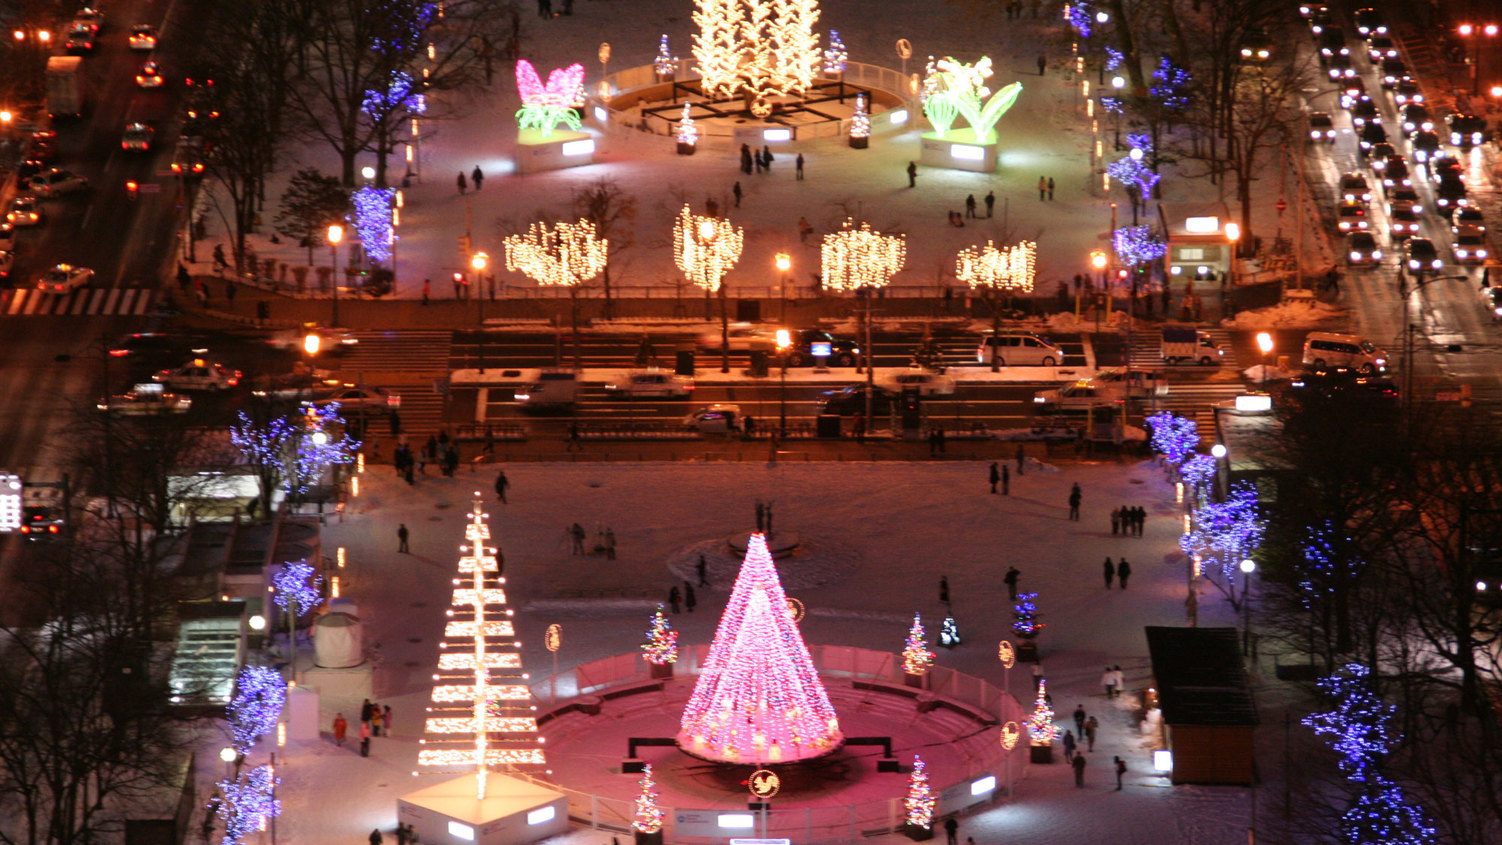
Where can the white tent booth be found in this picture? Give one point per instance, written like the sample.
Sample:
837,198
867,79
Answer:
513,811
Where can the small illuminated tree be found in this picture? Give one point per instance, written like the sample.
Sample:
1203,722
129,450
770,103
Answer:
920,801
993,271
1041,729
648,818
856,258
666,64
835,55
688,133
917,658
1026,625
260,694
756,49
705,249
661,647
860,124
296,589
1174,437
560,255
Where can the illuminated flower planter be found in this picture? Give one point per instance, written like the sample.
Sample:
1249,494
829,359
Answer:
951,90
540,144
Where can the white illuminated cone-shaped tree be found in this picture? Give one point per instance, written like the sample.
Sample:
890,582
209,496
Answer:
759,699
482,714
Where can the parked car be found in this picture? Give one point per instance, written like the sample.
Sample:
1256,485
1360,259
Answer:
926,383
1362,250
148,398
1321,127
719,418
847,401
198,374
1420,254
651,385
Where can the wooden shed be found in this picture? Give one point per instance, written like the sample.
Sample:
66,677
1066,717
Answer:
1209,713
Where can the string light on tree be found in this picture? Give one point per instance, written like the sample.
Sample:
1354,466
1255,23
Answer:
706,248
1041,729
666,64
1324,572
661,647
860,121
855,258
917,658
648,817
248,804
1226,533
563,254
482,713
835,56
1170,85
1198,472
1137,245
920,801
759,698
756,49
1025,611
1080,17
260,694
688,133
373,220
1011,269
1174,437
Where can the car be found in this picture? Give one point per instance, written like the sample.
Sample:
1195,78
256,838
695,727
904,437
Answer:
90,17
1370,136
1415,116
1320,19
1407,91
1351,217
358,397
1466,216
328,340
7,261
1257,47
1404,196
1441,166
150,76
81,39
65,278
24,212
1345,384
1369,23
1392,71
1420,254
1306,10
187,157
1469,246
1355,188
56,181
744,337
1352,91
1321,127
1381,47
926,383
1364,112
720,418
1466,130
1450,191
809,345
1362,249
138,138
1402,222
1492,299
851,399
198,374
1379,154
1395,172
149,398
1423,144
1018,348
41,522
1340,67
1332,42
650,385
1082,395
142,343
143,37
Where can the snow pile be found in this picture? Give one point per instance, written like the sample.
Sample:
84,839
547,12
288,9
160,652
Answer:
1288,314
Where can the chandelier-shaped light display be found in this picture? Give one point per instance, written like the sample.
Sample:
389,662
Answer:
546,106
482,713
666,63
706,247
564,254
860,258
756,48
759,699
1011,268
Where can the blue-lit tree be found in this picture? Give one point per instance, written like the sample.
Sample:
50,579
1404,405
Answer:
249,801
1174,437
293,454
1383,815
260,694
1170,85
373,220
296,588
1328,571
1222,535
1137,245
1027,627
264,446
1080,16
666,64
1198,473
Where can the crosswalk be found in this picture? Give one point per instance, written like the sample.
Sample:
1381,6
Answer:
82,302
1195,399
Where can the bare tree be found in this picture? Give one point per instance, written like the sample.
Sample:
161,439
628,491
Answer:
613,211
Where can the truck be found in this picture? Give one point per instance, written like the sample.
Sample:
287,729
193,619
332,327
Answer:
1186,343
65,86
553,391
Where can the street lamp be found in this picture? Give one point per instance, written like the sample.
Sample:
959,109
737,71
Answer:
336,234
1474,33
1248,566
1118,84
784,341
784,262
1098,261
1264,343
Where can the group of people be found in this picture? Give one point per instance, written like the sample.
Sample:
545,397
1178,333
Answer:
1128,521
476,176
406,834
1121,571
683,600
761,161
438,450
373,719
604,541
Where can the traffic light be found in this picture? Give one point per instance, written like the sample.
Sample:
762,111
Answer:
463,246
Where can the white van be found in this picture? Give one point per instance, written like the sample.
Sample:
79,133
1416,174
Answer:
550,391
1018,349
1328,350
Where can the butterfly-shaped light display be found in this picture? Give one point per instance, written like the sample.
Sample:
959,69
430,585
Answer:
546,106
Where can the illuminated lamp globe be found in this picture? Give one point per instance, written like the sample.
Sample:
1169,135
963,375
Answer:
1218,451
784,262
228,754
1098,259
336,234
479,261
784,339
320,438
311,343
367,173
1496,91
44,36
1136,154
1264,342
6,116
1118,82
1248,566
1102,17
1233,231
257,622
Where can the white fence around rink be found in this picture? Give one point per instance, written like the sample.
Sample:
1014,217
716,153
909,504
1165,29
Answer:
811,825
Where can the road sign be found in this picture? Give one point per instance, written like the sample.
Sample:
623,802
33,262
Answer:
10,502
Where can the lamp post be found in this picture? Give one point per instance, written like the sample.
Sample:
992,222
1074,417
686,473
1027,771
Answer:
784,341
1474,33
1118,84
784,262
1248,566
478,263
336,234
1265,344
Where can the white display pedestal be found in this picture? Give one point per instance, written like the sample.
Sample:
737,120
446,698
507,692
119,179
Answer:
957,150
302,714
339,691
513,812
536,152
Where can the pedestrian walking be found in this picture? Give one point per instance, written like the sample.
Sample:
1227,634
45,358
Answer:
805,229
1115,520
477,177
427,290
364,739
1074,502
394,420
461,183
341,728
689,599
1021,456
1042,63
1192,608
375,719
386,719
1069,746
1050,189
219,261
576,533
1079,770
401,540
944,589
995,477
766,154
745,160
1042,189
1141,520
1121,769
501,483
1108,680
1123,572
674,598
990,203
702,570
1108,569
736,192
375,837
1006,481
912,174
970,206
1011,581
610,544
1079,721
1091,726
798,164
1120,679
952,830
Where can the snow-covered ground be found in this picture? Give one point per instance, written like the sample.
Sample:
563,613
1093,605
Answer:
897,529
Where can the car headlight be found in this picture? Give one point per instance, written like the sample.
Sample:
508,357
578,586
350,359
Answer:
1039,400
1413,264
1376,255
1480,253
1315,134
1355,256
1460,253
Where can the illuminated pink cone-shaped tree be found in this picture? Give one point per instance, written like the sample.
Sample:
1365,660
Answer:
758,699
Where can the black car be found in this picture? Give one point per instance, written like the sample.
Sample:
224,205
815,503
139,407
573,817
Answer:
1332,42
851,400
1466,130
1492,299
1371,135
41,522
809,345
1337,384
1364,112
1369,22
1450,191
1392,72
1321,127
1425,145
